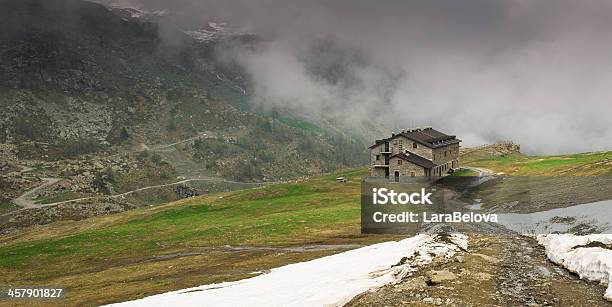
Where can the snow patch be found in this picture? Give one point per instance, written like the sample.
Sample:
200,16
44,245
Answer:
553,228
331,281
590,263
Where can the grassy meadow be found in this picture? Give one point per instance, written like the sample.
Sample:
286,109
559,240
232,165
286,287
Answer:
516,164
193,241
182,244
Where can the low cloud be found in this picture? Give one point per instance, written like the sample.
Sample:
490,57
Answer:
535,72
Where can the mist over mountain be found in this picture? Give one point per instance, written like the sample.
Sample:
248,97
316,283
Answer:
78,80
536,72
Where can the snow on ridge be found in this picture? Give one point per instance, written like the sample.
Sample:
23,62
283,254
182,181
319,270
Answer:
213,31
332,280
590,263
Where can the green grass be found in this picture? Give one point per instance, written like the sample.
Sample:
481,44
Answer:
302,124
114,252
464,172
583,164
274,215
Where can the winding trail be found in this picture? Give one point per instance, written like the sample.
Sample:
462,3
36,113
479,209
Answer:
202,135
25,199
27,203
150,187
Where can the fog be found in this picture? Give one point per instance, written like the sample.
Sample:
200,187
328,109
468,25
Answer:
534,72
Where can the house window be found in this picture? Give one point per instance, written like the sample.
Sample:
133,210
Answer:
445,154
377,157
414,145
412,174
399,162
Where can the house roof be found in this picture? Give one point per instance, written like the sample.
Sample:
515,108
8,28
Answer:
428,137
415,159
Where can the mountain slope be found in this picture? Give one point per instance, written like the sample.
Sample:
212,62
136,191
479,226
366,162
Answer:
73,74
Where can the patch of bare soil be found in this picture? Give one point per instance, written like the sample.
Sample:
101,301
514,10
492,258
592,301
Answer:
233,249
494,271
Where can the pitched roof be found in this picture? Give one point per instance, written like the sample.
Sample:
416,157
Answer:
428,137
414,158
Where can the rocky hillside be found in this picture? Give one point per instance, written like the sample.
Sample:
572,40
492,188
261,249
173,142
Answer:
499,149
78,78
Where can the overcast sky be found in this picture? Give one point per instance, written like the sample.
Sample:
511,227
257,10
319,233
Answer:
538,72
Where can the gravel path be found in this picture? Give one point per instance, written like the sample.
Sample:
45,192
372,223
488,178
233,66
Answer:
496,270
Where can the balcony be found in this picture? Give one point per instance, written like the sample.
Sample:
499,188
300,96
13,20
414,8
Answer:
380,165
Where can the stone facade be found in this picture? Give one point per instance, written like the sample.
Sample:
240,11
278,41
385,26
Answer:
376,154
378,171
445,158
400,144
437,153
405,168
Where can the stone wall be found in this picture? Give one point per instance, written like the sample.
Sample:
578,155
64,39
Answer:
378,172
401,143
405,168
376,151
452,153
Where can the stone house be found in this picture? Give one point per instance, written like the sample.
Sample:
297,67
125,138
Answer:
415,152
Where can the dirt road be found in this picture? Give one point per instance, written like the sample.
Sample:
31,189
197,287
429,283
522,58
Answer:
25,199
26,202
